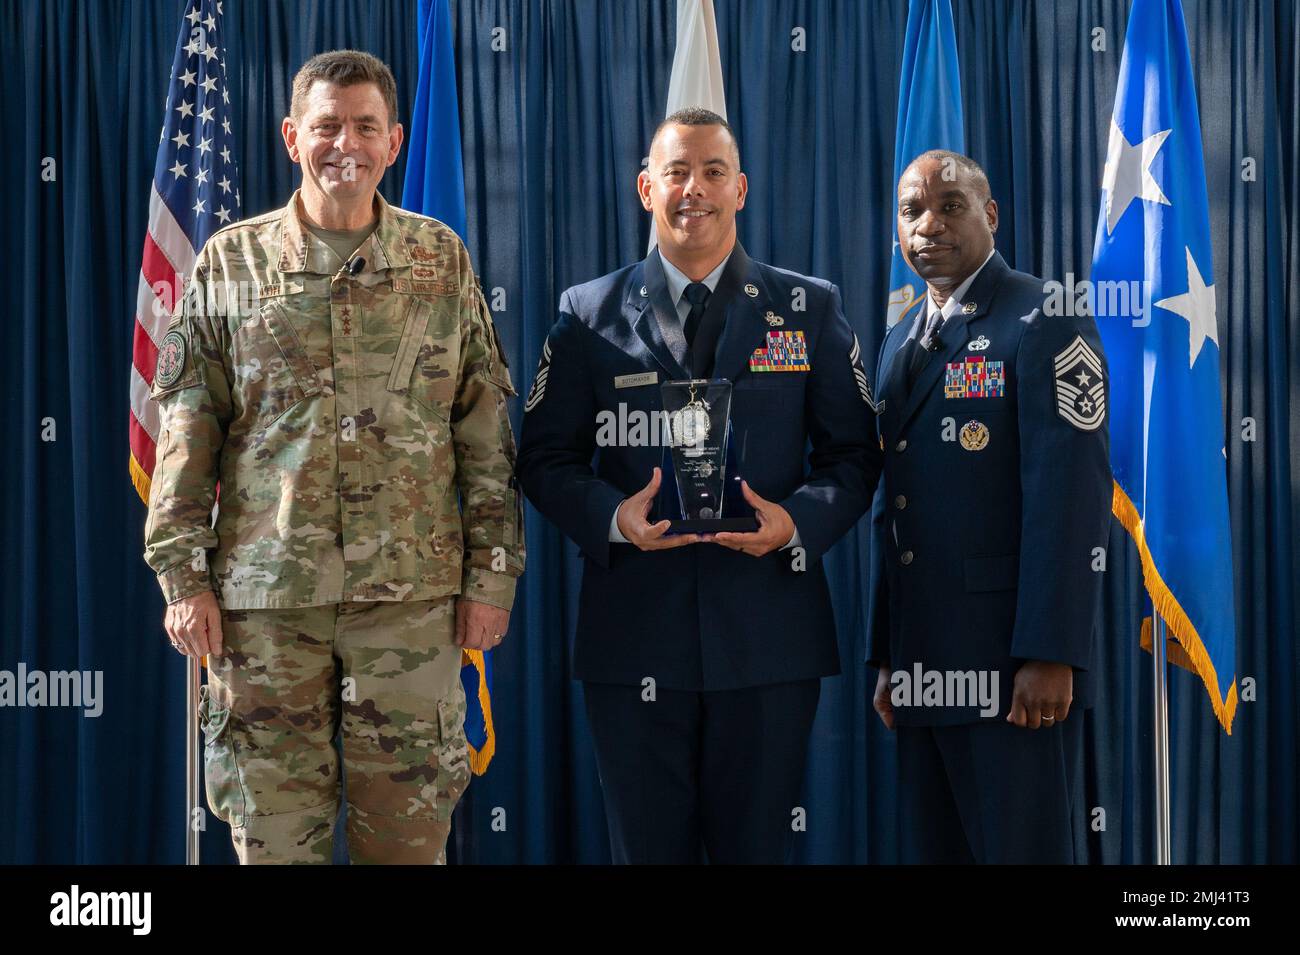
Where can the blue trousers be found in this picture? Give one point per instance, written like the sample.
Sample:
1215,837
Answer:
718,771
988,792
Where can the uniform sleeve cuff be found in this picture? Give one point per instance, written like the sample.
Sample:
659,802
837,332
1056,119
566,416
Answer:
488,587
183,581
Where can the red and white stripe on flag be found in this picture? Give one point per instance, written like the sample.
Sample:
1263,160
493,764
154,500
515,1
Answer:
195,192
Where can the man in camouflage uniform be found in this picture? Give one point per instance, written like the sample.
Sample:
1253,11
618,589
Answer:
333,367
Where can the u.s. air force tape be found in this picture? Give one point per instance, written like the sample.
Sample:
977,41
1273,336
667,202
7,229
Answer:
171,359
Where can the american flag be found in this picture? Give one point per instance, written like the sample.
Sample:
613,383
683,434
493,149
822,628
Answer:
195,192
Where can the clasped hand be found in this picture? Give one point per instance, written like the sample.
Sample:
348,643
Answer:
775,526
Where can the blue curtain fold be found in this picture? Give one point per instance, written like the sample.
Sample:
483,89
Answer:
557,102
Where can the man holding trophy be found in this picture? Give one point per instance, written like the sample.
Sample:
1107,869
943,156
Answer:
705,620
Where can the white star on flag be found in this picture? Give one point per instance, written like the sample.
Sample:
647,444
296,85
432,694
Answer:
1197,306
1128,173
187,78
177,170
209,84
185,109
223,215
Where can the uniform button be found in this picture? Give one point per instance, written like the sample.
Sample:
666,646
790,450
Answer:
901,446
906,557
900,502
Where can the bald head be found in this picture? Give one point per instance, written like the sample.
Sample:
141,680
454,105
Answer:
952,168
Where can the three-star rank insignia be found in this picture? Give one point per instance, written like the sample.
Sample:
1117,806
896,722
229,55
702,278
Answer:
974,436
1080,386
785,351
171,359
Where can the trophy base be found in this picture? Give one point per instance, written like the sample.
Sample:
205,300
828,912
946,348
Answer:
713,525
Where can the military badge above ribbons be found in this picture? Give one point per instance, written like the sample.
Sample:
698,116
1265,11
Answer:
1080,386
171,359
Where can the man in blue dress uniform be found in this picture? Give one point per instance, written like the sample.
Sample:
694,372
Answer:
988,532
700,655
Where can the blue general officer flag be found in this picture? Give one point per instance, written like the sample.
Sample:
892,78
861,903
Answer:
1154,300
929,117
435,186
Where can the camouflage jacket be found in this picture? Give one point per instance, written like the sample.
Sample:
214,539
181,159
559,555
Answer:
355,420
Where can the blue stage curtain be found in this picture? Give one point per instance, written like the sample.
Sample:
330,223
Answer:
555,126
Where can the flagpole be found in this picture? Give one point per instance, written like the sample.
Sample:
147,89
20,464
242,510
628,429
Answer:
1160,703
191,760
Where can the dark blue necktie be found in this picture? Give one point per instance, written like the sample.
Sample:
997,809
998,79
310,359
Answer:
697,293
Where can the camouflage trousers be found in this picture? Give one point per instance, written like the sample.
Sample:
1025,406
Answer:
286,680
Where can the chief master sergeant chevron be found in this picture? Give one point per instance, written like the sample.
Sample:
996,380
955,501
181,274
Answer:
986,531
355,420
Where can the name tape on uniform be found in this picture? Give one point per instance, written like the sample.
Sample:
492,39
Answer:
635,381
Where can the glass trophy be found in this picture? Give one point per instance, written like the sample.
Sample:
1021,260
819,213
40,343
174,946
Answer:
697,445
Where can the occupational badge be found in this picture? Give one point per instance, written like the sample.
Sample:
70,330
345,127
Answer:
974,436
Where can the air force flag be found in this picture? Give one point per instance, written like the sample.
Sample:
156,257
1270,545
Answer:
929,117
1162,344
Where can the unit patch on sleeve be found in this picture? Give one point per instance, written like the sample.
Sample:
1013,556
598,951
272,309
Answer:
171,359
1080,386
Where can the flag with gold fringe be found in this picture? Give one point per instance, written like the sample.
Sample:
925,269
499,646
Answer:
435,186
1153,294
